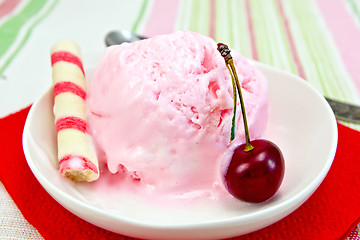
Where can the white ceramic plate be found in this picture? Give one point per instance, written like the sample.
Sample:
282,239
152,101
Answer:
301,123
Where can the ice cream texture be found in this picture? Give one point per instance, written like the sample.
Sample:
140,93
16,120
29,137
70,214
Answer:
160,112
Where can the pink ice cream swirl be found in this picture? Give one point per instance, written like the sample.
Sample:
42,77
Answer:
160,110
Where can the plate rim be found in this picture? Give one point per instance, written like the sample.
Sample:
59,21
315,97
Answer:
287,204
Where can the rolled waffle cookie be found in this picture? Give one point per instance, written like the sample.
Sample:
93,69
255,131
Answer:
76,155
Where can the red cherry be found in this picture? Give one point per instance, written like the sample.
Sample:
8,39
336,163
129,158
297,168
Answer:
256,175
257,167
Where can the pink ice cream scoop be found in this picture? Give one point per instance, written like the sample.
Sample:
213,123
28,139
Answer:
160,111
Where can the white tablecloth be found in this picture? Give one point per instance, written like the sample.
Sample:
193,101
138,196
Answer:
12,223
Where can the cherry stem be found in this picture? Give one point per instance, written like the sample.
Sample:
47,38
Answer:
233,130
225,52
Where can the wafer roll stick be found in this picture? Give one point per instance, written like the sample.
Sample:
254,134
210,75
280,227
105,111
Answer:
76,155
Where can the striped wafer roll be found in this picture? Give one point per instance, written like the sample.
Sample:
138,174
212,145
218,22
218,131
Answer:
76,155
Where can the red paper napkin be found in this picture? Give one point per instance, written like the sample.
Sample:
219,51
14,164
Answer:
330,213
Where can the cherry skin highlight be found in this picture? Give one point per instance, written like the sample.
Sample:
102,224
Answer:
256,175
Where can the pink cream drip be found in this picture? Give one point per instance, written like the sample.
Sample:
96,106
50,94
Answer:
65,86
71,122
87,164
66,57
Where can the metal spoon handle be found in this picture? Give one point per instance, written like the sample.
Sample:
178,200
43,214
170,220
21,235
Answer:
345,111
118,37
